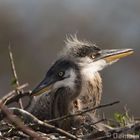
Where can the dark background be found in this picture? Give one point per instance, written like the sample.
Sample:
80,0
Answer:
36,30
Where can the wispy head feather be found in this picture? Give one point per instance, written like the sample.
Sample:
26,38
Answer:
78,48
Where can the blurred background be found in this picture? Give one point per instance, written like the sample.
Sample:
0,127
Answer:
36,30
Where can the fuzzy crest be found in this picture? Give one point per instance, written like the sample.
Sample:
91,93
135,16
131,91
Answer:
78,48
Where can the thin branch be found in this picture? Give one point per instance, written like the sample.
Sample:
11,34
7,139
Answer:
90,124
15,74
83,112
12,97
30,119
15,120
116,133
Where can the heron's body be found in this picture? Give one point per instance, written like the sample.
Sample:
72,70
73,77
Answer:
43,109
59,103
74,82
55,104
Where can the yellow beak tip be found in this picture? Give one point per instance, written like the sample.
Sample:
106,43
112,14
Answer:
119,55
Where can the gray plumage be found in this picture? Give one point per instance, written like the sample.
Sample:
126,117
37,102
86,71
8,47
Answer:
58,102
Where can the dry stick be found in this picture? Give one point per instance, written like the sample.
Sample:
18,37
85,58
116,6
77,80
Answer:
15,74
93,123
83,112
28,117
16,98
12,97
13,119
33,118
116,132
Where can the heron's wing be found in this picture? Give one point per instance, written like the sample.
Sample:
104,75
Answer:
53,105
40,106
50,105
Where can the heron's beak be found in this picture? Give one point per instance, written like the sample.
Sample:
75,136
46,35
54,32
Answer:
115,54
44,87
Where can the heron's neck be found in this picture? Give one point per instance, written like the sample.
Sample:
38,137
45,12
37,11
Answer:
64,96
61,106
91,91
62,101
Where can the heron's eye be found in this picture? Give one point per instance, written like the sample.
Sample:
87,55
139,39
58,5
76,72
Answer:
92,56
61,74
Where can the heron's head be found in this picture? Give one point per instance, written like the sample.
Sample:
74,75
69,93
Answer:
63,73
90,56
79,57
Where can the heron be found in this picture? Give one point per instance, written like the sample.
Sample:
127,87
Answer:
73,81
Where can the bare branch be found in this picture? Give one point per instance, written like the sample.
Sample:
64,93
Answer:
29,118
16,121
12,97
116,133
83,112
90,124
15,74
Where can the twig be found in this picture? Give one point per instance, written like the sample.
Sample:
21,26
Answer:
28,118
15,74
90,124
82,112
12,97
13,119
116,133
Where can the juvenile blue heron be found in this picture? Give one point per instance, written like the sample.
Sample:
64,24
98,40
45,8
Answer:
73,82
